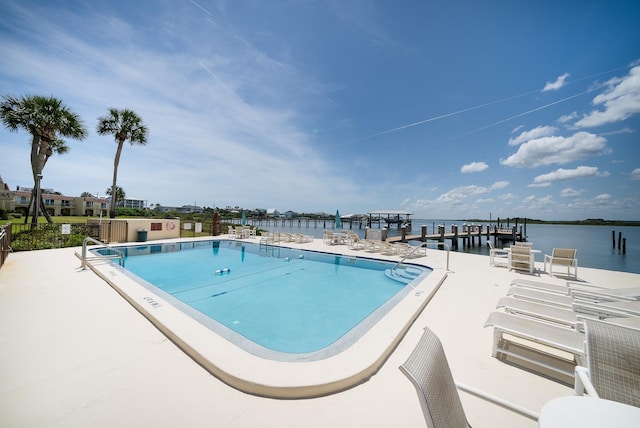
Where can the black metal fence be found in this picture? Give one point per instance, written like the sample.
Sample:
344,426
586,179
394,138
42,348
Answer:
27,237
5,242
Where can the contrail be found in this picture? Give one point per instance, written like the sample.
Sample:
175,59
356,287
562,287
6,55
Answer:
443,116
432,119
531,111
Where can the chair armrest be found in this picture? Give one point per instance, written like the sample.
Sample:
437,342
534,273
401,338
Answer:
583,383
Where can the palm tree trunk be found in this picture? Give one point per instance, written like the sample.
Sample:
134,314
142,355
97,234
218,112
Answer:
40,153
114,195
31,199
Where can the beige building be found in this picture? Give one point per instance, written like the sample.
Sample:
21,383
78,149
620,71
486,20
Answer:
60,205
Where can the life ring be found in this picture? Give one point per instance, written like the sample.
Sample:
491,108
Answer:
171,225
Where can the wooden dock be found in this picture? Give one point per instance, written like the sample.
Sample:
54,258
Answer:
470,234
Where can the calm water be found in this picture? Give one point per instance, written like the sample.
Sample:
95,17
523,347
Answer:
594,243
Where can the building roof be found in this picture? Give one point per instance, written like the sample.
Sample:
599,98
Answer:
390,212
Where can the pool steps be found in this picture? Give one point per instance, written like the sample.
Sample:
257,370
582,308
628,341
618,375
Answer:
404,274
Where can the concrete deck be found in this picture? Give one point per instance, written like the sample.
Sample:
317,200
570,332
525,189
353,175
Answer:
74,353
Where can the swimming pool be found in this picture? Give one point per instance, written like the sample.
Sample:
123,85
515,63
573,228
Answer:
287,304
250,372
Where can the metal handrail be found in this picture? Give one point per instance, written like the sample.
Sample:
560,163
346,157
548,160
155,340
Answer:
119,254
426,243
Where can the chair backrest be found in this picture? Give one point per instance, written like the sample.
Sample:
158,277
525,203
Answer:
613,356
428,369
516,249
523,244
563,256
491,245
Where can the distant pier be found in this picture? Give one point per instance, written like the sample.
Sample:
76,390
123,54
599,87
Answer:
468,234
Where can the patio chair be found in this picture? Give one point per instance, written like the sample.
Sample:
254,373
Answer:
565,257
232,232
498,257
328,237
521,258
613,363
428,369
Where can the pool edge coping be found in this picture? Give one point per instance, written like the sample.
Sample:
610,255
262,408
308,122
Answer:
268,378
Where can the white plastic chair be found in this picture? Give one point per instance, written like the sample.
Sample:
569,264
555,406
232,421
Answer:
498,257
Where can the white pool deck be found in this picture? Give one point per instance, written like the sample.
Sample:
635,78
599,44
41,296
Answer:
74,353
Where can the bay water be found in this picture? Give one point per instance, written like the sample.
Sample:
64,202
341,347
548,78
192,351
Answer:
594,243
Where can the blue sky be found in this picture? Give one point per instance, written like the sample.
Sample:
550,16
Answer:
457,109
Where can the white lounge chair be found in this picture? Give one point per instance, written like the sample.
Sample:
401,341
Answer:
497,256
561,316
565,257
541,296
328,237
613,358
564,339
521,258
355,243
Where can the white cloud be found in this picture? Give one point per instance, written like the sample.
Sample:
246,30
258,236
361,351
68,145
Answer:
603,197
474,167
547,184
635,174
499,185
568,117
540,131
620,101
570,193
569,174
508,196
559,83
458,194
556,150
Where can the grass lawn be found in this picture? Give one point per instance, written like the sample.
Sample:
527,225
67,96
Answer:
43,220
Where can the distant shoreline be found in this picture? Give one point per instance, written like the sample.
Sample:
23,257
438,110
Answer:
587,222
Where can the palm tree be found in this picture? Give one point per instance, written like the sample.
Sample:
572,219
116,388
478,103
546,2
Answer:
123,125
45,118
120,194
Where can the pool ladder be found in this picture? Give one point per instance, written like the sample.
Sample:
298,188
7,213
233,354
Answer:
117,254
269,249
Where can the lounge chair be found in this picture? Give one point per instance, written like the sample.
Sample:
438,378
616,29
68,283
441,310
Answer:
355,243
372,245
388,249
521,258
561,316
606,294
328,237
540,296
300,238
541,286
565,257
403,249
232,232
564,339
613,363
428,369
497,256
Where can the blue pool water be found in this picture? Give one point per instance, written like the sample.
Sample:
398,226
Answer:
283,300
